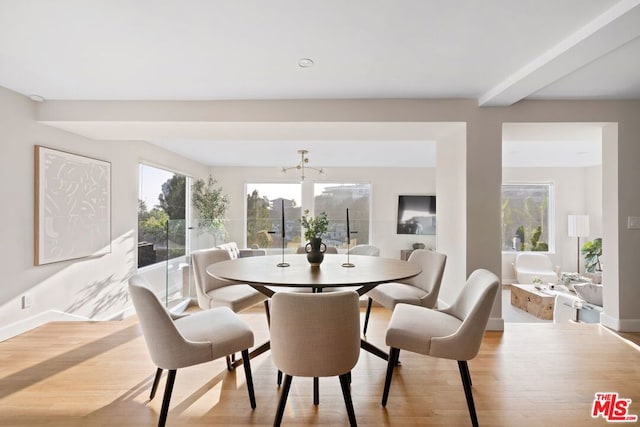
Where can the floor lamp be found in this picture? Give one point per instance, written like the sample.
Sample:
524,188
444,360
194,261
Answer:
578,227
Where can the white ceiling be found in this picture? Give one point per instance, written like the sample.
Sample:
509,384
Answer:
495,51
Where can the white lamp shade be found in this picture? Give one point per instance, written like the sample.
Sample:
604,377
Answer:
578,225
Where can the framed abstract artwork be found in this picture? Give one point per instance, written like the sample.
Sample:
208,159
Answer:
72,206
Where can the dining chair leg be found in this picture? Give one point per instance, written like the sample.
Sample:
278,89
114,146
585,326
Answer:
267,312
246,362
466,368
366,316
283,400
316,391
279,377
393,359
229,365
466,382
168,389
346,393
156,380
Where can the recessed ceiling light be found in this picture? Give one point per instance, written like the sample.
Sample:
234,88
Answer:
305,62
36,98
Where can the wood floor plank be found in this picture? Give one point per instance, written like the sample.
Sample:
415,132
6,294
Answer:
100,374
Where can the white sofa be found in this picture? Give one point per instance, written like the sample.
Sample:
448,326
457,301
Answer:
235,252
529,266
585,305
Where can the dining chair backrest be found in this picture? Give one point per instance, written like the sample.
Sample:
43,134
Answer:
315,335
472,307
430,279
167,347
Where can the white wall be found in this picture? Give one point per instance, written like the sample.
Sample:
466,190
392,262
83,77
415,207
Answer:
92,288
577,191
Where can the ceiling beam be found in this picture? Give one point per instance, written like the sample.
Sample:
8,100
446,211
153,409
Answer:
609,31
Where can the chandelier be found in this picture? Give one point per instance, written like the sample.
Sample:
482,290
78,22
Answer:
304,160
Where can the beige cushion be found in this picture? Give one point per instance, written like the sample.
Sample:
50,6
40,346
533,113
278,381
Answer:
390,294
213,292
219,326
404,331
422,289
589,292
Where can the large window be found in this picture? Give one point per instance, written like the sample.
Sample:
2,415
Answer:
264,215
334,199
526,210
161,215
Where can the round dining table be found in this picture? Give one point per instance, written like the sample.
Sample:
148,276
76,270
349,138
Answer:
264,273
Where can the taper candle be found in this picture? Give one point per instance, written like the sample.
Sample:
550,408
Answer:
282,219
348,230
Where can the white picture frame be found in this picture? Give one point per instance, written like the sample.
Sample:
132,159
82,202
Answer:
72,206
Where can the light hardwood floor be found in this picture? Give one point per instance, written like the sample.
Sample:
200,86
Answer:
99,374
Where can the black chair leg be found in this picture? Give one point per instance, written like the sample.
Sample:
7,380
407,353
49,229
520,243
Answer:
156,380
246,362
346,393
316,391
466,382
168,389
366,316
279,377
267,312
229,365
394,353
466,368
283,400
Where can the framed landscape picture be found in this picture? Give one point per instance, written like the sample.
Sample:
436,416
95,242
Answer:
416,214
72,206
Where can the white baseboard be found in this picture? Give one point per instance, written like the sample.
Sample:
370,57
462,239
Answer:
495,324
33,322
620,325
30,323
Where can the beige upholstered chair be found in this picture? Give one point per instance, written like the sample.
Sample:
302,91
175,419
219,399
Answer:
214,292
179,341
369,250
454,333
421,290
315,335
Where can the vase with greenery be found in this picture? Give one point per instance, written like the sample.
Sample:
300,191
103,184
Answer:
314,228
211,203
592,251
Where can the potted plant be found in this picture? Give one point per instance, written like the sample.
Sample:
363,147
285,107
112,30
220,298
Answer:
211,204
592,251
314,228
